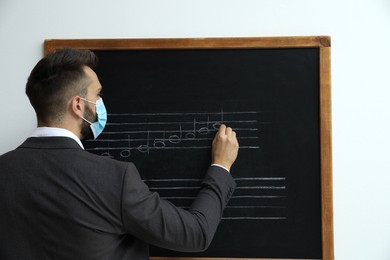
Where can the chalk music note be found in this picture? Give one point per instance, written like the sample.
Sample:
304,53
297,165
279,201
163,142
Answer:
205,130
175,139
217,124
126,152
144,148
160,142
191,134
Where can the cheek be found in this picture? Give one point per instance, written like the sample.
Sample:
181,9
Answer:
90,114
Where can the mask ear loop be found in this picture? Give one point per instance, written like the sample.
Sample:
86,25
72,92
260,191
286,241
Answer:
89,122
88,100
86,120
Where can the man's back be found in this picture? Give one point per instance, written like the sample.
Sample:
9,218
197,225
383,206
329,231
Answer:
60,202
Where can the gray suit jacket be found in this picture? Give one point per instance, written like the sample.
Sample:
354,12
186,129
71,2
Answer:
58,201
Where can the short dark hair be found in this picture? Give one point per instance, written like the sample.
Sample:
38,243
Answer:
55,79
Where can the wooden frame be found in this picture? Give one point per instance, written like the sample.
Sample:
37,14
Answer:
321,42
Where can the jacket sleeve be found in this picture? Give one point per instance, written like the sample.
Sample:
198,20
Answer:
158,222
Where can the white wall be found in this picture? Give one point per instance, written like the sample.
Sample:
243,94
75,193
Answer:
360,31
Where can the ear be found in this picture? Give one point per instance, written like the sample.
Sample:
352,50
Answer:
75,106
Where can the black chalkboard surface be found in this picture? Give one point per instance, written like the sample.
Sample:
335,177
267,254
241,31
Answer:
165,104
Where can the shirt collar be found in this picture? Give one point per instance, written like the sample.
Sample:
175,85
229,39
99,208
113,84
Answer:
54,131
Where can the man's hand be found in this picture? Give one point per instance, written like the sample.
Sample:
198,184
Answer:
225,147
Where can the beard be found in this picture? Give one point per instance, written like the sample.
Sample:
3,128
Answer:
86,132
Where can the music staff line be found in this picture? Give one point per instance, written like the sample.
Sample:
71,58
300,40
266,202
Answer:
222,112
172,131
196,185
248,207
147,149
175,131
237,188
254,218
160,143
194,121
184,122
204,130
233,197
258,207
236,179
144,139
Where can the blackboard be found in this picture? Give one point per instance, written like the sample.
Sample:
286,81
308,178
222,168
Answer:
167,97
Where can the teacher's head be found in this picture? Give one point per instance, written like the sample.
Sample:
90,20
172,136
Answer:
64,91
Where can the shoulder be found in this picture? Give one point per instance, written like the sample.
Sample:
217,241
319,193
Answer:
104,163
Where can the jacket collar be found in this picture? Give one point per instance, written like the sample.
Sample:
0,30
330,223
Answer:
52,142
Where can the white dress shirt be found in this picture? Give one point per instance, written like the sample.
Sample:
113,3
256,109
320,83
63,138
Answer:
54,131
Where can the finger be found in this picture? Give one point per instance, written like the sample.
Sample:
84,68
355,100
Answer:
222,129
235,138
228,131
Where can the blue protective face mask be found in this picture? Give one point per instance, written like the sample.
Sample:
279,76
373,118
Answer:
98,126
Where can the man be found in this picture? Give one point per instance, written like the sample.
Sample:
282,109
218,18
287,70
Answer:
58,201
